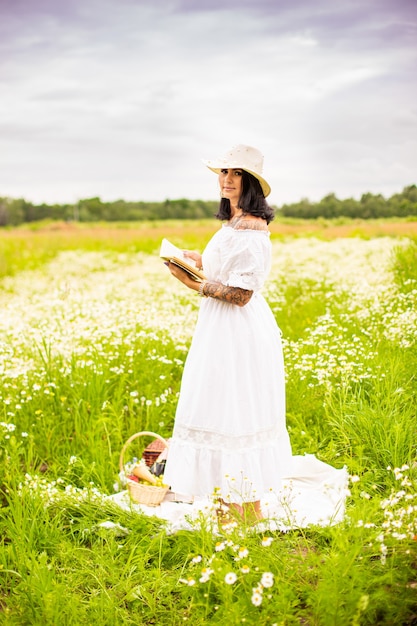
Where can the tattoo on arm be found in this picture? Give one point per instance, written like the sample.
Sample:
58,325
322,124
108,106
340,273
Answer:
234,295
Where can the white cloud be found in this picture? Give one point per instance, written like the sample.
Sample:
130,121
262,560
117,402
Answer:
123,99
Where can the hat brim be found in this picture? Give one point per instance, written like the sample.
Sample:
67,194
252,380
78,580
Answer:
217,167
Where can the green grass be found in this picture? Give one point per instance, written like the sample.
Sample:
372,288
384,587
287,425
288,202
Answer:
90,353
405,266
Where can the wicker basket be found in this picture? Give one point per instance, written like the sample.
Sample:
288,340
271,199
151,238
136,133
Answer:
140,493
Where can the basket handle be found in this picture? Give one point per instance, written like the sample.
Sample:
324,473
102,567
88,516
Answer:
135,436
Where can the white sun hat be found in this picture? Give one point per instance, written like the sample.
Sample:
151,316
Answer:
245,158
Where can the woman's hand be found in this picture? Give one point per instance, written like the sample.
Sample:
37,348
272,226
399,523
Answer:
182,276
195,256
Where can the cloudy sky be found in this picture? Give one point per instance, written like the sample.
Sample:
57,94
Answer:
123,98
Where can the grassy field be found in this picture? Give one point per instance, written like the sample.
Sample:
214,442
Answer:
93,337
32,244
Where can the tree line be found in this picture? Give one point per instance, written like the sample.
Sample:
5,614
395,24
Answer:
19,211
369,206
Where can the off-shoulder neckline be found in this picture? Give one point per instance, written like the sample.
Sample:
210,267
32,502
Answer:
246,230
246,221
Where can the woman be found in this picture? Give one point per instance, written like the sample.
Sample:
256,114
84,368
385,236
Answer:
230,437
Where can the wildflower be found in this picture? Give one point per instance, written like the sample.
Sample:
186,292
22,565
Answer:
245,569
256,598
196,559
187,581
242,554
230,578
206,572
266,541
8,427
220,545
267,579
116,529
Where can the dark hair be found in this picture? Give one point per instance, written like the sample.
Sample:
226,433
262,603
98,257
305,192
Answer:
252,200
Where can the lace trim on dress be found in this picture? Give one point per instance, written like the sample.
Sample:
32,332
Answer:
246,281
218,441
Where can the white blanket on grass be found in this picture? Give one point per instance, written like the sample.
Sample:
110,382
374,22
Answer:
314,494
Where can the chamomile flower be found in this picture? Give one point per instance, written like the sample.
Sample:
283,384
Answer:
206,572
197,559
267,580
241,554
266,541
256,598
188,581
230,578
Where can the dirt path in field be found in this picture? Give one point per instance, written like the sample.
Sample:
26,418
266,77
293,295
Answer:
200,230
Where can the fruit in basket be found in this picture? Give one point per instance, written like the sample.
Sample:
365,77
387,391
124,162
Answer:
141,471
160,482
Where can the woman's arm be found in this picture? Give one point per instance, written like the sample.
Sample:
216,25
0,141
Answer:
233,295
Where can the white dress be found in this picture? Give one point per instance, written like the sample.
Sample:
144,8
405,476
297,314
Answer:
230,434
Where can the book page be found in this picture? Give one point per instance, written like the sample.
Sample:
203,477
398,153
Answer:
169,251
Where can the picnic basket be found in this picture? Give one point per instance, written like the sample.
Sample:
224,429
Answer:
151,495
153,450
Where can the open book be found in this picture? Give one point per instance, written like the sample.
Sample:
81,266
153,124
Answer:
171,253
